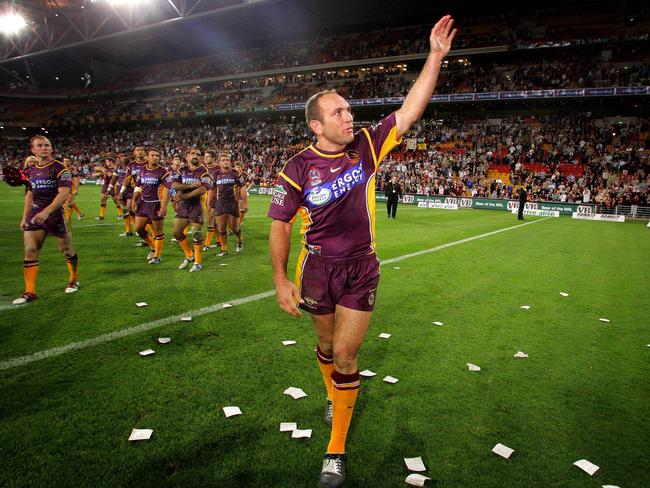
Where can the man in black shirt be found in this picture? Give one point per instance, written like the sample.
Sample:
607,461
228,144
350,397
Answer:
523,196
393,193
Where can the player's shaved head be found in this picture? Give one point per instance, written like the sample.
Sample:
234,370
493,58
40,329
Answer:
312,108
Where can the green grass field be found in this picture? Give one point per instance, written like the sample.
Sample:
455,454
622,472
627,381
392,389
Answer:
583,393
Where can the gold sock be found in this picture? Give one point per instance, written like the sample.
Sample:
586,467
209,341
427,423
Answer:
345,390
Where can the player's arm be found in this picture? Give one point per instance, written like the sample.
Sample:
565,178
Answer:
126,183
178,186
211,197
197,192
61,197
418,97
243,199
163,204
286,292
137,193
29,198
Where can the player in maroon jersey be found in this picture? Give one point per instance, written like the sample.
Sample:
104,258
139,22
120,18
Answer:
70,205
229,188
190,184
151,199
106,172
48,187
331,184
210,162
120,174
126,191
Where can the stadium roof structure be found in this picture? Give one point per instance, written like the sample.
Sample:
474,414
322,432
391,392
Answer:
64,39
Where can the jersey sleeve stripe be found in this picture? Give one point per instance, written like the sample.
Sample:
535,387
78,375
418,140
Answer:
290,181
372,147
389,143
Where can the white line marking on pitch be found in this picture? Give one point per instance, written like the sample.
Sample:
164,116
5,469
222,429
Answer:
111,336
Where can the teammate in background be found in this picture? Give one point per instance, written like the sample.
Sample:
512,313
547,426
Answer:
70,205
121,172
48,187
133,171
248,182
107,172
151,199
190,184
332,185
210,162
229,188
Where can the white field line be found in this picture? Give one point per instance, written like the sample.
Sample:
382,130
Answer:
111,336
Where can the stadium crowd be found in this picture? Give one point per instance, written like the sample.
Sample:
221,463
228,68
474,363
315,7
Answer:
568,158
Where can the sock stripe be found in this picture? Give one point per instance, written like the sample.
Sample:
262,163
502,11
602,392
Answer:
322,357
342,381
160,237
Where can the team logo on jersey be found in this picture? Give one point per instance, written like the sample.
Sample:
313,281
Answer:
310,301
314,177
319,196
337,188
278,195
353,156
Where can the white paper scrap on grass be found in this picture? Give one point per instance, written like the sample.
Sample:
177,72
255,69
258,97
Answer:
503,451
223,264
142,304
520,355
416,479
288,426
384,335
186,319
301,434
147,352
473,367
227,305
366,373
587,467
526,307
564,294
438,323
295,393
415,464
604,320
390,379
611,486
288,343
396,267
231,411
140,435
164,340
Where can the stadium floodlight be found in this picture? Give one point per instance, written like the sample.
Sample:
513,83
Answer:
11,23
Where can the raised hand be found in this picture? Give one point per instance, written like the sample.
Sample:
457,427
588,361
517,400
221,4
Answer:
442,35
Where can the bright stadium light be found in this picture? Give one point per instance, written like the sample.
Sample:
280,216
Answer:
11,23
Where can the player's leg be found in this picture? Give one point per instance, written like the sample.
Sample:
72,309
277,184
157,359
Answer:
349,330
102,207
236,229
181,238
222,222
197,228
211,224
324,327
158,227
65,246
141,229
33,242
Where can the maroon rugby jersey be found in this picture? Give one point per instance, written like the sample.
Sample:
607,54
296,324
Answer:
224,184
45,181
188,176
121,172
335,193
153,182
133,168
